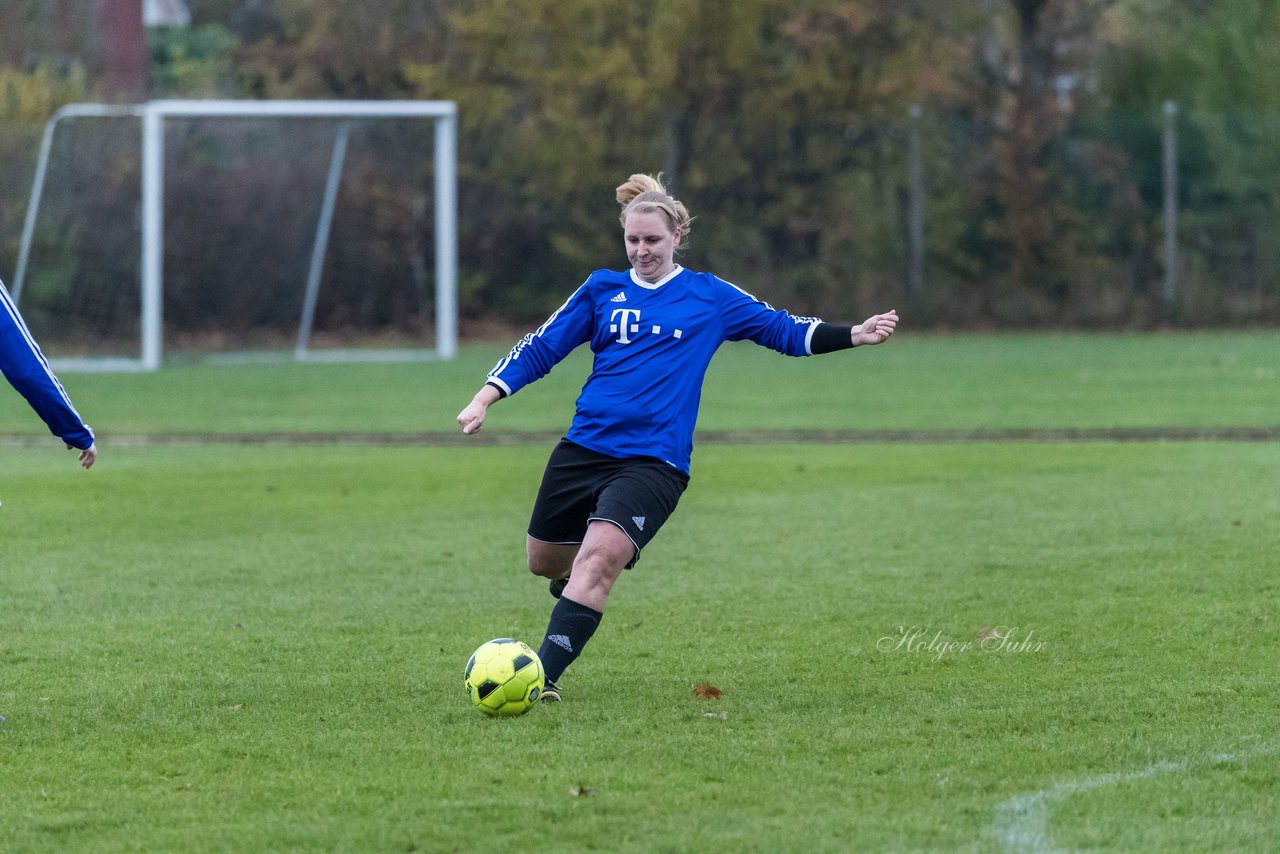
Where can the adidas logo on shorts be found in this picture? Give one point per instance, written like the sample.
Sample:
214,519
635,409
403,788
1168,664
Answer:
639,520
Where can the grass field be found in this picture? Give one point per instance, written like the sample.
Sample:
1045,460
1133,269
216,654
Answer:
214,645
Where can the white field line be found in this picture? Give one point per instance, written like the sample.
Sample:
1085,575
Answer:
1022,822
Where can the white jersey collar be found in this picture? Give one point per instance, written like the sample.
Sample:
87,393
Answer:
675,271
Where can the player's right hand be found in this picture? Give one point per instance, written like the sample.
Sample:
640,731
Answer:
471,419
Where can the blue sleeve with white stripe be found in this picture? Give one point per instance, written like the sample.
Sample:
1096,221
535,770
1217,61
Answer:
746,317
537,353
25,368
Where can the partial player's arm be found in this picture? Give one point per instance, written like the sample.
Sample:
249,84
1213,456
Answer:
25,368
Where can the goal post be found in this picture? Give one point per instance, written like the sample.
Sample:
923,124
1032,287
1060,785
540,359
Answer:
154,116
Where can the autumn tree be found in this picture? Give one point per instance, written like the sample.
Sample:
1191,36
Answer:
774,121
1033,58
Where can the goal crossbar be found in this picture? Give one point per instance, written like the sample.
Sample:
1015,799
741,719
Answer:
153,115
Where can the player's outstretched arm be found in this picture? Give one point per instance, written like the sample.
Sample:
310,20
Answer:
875,329
471,419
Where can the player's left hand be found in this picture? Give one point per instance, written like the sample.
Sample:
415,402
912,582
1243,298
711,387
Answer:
88,456
876,329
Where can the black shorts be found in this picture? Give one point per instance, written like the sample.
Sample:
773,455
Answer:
580,486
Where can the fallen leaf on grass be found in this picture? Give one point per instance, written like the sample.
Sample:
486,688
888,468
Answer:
707,692
577,790
986,633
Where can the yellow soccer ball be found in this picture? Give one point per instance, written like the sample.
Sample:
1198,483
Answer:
504,677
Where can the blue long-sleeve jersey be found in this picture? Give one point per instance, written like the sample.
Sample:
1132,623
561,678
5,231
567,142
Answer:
24,366
652,345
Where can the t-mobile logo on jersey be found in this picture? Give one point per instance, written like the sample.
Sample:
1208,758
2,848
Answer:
621,323
626,323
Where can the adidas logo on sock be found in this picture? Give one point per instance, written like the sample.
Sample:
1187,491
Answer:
621,297
561,641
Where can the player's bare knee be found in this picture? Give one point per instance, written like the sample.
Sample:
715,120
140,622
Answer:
591,581
600,565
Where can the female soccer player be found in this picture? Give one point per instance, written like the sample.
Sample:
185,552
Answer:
620,470
25,368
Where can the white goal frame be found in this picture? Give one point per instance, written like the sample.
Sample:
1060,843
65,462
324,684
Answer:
153,115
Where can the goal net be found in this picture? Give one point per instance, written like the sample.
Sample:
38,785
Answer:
255,230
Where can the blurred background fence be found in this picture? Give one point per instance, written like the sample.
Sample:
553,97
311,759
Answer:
1041,163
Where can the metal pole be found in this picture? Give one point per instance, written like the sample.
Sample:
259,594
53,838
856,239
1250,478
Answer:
1171,271
446,237
29,225
915,211
152,236
318,248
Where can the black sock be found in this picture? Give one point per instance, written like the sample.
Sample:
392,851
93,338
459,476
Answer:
571,626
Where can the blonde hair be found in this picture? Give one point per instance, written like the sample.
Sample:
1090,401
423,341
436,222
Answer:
646,194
